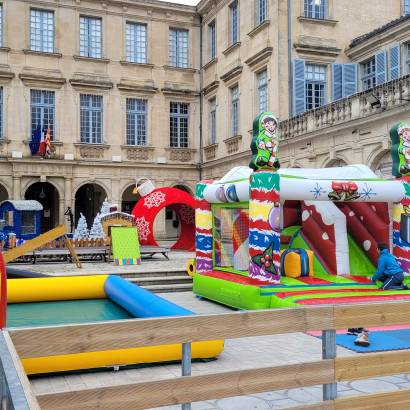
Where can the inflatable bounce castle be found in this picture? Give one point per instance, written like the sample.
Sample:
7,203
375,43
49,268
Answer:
269,237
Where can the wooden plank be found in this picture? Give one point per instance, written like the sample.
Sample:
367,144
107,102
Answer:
29,398
372,365
386,401
73,254
323,405
68,339
372,314
34,243
64,251
189,389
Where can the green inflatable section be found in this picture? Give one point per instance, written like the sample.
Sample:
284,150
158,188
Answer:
250,297
289,231
360,264
231,294
63,312
299,242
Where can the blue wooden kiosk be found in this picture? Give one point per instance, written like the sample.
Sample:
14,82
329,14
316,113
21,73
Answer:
21,217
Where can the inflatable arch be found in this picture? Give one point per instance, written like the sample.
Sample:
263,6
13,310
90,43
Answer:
148,207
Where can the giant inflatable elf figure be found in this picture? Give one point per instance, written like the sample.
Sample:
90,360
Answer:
400,150
265,143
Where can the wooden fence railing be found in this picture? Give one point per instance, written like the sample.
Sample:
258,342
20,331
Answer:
56,340
77,243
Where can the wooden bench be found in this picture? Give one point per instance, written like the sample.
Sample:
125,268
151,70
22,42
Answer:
150,251
64,253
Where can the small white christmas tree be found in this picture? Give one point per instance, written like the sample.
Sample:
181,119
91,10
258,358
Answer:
81,232
96,231
105,207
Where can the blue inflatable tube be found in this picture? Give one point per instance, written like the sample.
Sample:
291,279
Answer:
140,302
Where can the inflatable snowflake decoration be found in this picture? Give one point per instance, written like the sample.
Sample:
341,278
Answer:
154,200
187,214
143,228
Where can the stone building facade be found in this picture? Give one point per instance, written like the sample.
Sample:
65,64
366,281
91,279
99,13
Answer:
135,90
113,55
306,64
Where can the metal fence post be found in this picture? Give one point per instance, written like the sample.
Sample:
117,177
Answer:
186,368
329,352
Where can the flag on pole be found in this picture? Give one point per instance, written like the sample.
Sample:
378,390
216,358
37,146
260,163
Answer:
42,147
47,141
35,140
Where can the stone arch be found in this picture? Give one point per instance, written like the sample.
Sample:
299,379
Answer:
128,198
182,187
382,164
101,183
4,192
48,194
339,161
32,181
88,199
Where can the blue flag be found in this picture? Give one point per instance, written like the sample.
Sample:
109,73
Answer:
35,140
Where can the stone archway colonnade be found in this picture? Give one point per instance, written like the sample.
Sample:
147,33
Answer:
67,189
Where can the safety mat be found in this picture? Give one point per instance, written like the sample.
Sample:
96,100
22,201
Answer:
383,340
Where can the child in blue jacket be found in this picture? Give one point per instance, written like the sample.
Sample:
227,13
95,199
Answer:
391,274
388,270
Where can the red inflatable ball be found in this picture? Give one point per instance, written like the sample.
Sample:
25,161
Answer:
148,207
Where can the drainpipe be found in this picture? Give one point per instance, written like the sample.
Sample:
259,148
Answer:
201,103
290,80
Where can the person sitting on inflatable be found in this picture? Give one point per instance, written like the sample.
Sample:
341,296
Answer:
388,270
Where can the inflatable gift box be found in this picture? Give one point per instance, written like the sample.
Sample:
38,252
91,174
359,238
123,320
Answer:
297,263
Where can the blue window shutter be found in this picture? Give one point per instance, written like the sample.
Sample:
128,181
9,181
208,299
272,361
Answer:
299,87
381,67
337,78
406,7
395,62
349,79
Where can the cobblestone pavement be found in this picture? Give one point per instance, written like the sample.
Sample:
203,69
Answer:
238,354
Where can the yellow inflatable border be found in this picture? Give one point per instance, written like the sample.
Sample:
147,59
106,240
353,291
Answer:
56,288
92,287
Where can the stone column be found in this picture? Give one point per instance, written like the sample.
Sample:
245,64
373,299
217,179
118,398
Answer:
16,187
61,209
115,192
68,200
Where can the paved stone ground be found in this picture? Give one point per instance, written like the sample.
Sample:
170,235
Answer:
177,261
238,354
